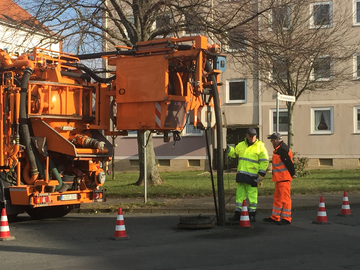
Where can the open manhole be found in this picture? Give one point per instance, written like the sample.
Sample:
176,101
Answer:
196,222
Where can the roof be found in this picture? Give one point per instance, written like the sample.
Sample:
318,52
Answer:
13,14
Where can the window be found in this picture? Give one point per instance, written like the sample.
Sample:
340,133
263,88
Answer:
236,40
322,121
325,162
131,20
321,15
322,69
356,12
357,119
280,17
356,66
191,130
194,163
194,23
163,21
280,70
283,121
235,91
163,162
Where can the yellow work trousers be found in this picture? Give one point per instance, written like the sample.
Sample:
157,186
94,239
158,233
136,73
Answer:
245,190
282,201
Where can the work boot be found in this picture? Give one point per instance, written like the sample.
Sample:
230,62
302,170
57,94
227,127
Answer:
284,222
252,216
236,216
269,219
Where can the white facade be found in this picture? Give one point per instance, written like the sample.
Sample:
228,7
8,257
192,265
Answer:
20,40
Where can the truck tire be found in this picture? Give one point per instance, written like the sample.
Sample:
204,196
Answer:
49,212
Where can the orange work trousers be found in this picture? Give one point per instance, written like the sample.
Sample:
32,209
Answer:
282,201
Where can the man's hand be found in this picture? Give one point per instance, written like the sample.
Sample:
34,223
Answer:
259,179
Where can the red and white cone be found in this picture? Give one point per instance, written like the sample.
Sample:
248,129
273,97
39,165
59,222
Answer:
120,232
321,215
244,217
345,208
4,227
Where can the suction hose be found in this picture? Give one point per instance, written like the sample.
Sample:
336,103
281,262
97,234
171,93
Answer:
219,143
90,72
24,128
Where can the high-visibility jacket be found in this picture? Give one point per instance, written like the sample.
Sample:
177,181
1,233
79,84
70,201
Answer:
253,159
282,163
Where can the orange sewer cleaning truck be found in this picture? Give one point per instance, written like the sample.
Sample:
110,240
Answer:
56,113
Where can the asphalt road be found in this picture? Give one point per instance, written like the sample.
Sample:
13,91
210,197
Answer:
83,241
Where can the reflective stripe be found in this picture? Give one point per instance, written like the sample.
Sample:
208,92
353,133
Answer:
248,173
279,170
286,210
158,114
263,159
285,215
262,171
276,208
250,160
120,227
278,164
275,213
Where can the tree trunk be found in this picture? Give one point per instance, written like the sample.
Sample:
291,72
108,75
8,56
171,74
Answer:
290,106
152,173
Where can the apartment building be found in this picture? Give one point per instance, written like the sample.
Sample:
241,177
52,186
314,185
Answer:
326,120
326,123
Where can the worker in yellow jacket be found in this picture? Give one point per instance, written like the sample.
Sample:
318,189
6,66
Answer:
251,169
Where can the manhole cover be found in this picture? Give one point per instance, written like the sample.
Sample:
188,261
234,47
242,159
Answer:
196,222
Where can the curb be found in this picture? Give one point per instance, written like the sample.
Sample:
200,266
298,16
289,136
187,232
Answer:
187,210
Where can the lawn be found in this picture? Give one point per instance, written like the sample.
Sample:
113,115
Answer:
198,184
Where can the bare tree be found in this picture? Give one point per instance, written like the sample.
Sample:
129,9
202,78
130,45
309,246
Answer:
294,51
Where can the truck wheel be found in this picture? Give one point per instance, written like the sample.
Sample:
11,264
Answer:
49,212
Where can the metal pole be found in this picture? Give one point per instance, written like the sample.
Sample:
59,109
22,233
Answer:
145,170
277,111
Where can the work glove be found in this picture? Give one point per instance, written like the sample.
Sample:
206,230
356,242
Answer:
259,179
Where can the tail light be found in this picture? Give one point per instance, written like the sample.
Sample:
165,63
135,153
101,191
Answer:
98,196
42,199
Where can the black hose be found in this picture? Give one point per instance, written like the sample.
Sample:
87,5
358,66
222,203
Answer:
24,127
212,176
99,55
219,150
83,76
2,192
89,71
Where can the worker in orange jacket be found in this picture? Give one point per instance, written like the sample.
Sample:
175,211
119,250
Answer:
282,172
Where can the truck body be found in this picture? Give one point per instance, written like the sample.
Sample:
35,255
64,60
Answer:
56,114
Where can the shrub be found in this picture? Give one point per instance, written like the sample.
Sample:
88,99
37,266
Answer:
300,164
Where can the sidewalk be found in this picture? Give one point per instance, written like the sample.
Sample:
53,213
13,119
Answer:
206,205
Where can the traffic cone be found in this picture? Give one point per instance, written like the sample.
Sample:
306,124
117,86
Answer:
321,216
120,232
244,217
345,208
4,227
